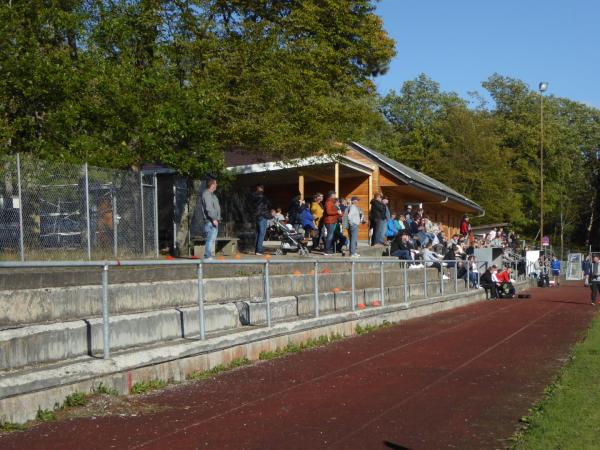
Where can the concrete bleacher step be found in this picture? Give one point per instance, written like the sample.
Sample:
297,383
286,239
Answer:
58,304
48,343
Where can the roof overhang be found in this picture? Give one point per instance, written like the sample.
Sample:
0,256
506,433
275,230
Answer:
406,178
299,163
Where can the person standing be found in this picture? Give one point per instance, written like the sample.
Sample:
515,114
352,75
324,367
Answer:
330,219
555,266
586,267
354,217
294,211
594,278
378,220
316,209
262,213
211,210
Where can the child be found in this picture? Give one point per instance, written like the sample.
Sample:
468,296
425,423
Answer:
555,266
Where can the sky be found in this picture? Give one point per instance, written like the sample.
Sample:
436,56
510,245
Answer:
460,43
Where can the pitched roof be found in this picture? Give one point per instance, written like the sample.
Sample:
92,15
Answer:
411,176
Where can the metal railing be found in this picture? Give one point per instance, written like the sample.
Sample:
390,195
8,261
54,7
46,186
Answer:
104,266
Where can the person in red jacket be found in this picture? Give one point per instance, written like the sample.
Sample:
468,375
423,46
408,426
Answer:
330,219
505,286
465,226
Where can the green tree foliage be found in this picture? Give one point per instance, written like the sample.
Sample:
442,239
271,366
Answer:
492,153
123,82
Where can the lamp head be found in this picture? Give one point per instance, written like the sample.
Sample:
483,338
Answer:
543,86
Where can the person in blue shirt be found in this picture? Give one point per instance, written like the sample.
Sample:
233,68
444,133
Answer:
392,227
555,266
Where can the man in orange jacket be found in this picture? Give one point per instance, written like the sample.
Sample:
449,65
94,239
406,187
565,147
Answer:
330,219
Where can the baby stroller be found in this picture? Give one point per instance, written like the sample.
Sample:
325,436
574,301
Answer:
291,240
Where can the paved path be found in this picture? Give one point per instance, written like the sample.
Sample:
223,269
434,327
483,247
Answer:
455,380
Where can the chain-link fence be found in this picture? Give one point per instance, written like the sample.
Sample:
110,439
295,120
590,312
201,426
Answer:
50,210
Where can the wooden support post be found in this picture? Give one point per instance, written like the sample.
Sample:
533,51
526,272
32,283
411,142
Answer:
370,188
301,185
337,179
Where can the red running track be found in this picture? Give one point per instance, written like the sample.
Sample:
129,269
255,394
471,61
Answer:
458,379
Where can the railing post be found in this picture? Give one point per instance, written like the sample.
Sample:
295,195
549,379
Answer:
381,283
155,208
406,282
442,278
468,275
353,276
87,211
456,276
21,227
425,279
142,210
105,314
267,292
316,283
201,301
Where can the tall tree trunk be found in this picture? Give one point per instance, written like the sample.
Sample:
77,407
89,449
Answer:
588,236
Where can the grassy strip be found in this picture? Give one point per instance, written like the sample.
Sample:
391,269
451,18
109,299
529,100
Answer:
205,374
74,400
143,387
318,342
569,414
371,328
295,348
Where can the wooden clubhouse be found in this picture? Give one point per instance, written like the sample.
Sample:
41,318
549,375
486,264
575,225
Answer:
360,172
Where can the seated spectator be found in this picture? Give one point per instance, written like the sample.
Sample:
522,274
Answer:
401,247
487,281
450,256
278,214
392,227
399,223
505,287
461,272
431,259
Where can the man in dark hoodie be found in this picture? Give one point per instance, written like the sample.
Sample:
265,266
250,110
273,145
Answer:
262,213
377,215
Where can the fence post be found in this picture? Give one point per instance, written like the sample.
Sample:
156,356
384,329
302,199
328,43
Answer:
353,286
142,210
87,211
381,283
105,316
406,282
21,227
174,252
267,292
441,277
316,283
155,207
425,279
201,301
115,225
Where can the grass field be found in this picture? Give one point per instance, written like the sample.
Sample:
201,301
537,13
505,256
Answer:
569,415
